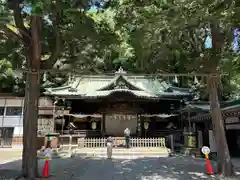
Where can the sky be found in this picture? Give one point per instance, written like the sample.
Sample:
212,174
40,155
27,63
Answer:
235,40
208,42
235,43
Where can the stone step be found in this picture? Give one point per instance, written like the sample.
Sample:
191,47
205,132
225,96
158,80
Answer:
128,156
132,150
191,151
138,152
116,156
123,153
118,153
144,149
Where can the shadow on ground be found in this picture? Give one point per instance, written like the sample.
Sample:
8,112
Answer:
93,168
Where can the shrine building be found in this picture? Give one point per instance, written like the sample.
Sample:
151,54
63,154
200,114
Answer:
104,105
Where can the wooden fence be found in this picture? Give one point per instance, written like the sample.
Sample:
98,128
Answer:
120,142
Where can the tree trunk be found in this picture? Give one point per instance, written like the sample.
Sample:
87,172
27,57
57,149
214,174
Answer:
30,164
224,164
25,118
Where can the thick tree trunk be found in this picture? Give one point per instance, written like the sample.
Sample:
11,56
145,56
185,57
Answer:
25,118
30,163
224,164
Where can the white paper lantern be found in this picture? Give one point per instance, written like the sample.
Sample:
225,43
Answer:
94,125
146,125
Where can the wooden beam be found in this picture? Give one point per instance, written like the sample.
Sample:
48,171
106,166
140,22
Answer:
131,74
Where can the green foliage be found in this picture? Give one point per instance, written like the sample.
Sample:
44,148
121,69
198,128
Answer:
141,36
71,36
7,79
169,36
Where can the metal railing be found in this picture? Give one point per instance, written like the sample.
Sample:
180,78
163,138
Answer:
120,141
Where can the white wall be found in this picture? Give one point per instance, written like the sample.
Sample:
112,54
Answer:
17,121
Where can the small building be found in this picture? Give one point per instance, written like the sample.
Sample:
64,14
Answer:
11,118
200,119
104,105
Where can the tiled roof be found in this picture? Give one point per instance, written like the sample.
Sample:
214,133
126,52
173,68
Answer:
228,108
97,86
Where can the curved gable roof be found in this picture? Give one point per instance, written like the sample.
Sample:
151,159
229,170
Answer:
103,85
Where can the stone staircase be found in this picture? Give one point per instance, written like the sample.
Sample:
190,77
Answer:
122,152
196,152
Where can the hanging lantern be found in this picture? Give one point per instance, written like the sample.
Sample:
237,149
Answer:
146,125
94,125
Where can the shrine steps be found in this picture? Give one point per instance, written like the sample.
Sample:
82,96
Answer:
122,152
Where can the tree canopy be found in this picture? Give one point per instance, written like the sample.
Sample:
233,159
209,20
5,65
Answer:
152,36
149,37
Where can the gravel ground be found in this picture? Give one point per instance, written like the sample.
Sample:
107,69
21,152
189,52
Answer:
94,168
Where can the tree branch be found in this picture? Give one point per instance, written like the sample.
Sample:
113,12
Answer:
48,64
25,33
4,29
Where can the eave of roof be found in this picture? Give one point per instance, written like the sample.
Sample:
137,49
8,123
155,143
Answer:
92,85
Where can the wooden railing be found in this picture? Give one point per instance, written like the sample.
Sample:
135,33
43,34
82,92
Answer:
148,142
120,141
91,142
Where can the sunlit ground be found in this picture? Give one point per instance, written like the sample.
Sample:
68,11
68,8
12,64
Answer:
95,168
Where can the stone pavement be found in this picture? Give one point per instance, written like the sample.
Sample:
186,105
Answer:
9,154
123,152
95,168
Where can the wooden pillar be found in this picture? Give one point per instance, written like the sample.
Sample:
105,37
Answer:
172,143
139,125
103,125
200,139
194,127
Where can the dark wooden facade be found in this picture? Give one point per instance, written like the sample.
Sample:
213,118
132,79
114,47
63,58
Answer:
157,113
115,102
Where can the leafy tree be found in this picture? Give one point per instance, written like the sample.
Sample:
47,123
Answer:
53,32
170,36
7,79
147,37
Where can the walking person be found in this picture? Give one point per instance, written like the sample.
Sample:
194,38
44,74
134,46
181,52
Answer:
127,137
